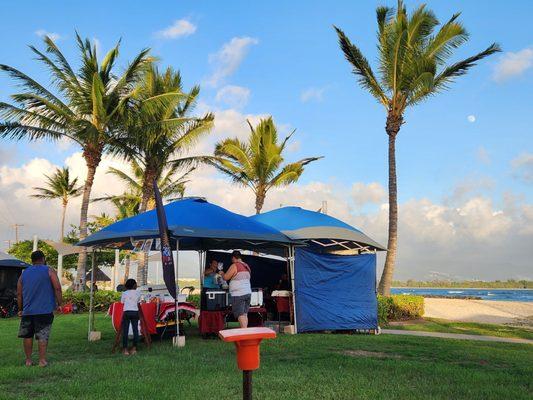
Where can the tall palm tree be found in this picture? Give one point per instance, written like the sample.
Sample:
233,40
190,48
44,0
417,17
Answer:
413,54
160,131
60,186
257,163
83,105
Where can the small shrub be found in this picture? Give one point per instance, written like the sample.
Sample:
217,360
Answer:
82,300
399,308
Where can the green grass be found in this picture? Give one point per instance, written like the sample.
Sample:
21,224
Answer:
293,367
437,325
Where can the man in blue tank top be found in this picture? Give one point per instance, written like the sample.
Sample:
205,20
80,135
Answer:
38,295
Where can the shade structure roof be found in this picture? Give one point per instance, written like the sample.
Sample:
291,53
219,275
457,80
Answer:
99,275
7,260
198,224
316,228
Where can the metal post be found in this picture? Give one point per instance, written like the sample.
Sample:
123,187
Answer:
247,385
115,268
60,266
291,265
91,302
35,243
177,289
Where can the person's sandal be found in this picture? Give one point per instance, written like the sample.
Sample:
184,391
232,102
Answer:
43,364
126,352
29,363
133,351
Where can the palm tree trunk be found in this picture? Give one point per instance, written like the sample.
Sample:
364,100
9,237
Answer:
92,159
126,269
147,194
394,123
64,212
259,200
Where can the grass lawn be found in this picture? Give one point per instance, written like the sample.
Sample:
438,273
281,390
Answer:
293,367
437,325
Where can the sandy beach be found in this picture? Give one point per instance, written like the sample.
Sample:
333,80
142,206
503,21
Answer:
482,311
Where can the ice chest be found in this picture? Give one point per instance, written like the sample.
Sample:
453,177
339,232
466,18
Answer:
257,298
216,300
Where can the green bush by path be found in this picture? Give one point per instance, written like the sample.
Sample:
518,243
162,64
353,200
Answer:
102,299
400,307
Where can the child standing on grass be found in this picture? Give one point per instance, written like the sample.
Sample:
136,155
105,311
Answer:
130,298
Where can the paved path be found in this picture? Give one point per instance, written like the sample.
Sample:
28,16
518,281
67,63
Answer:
459,336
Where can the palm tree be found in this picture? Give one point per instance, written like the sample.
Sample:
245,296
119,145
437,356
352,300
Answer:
257,163
84,106
60,186
128,203
160,130
413,57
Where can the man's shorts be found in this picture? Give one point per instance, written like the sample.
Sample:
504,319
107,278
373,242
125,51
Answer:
38,325
240,305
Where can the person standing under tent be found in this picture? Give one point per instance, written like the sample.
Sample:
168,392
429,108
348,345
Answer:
130,298
38,295
238,276
210,276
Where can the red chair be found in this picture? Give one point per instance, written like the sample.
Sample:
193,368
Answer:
283,305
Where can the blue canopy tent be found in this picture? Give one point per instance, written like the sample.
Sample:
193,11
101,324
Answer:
194,224
198,225
334,277
10,270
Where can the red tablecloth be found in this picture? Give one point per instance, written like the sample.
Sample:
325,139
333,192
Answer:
215,321
150,312
211,321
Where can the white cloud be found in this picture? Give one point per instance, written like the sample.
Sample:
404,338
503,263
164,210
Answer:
472,237
371,193
523,166
471,118
233,96
312,94
226,61
52,35
180,28
513,64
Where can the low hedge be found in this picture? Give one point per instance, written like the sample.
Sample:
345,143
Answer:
102,299
399,307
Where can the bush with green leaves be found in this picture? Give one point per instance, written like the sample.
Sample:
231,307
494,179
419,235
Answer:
102,299
400,307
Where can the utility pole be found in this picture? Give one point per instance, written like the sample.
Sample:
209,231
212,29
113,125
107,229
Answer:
17,226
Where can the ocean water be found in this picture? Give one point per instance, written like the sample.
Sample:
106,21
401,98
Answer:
485,294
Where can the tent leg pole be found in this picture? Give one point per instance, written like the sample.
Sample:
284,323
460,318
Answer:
291,264
91,302
177,342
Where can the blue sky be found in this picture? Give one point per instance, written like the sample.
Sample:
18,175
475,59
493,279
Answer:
293,69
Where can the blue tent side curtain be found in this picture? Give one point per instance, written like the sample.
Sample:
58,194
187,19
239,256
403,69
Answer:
335,292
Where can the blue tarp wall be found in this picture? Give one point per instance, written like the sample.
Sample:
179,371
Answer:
335,292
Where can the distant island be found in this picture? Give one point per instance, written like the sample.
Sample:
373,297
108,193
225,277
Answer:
508,284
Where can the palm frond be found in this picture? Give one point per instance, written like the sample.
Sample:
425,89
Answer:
361,68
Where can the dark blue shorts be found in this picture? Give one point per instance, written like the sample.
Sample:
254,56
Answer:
38,325
240,305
